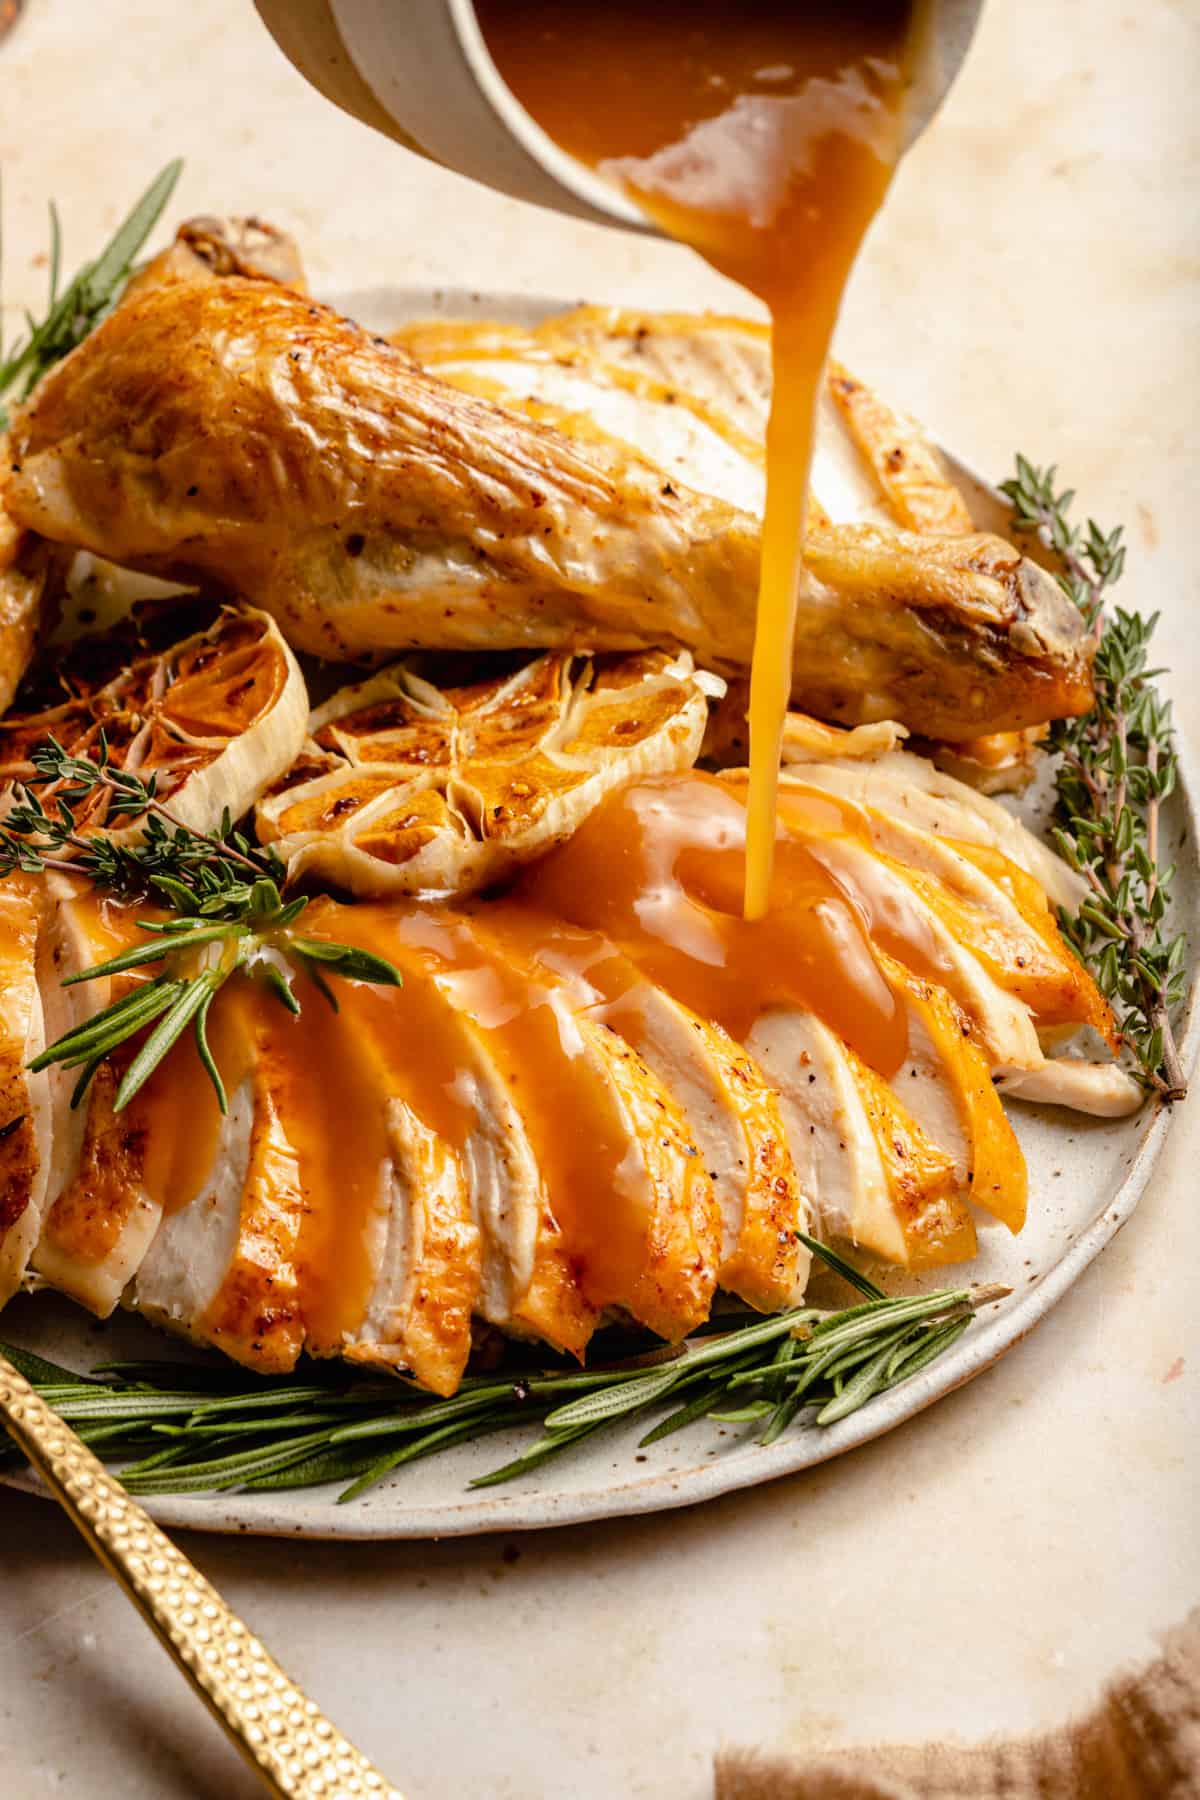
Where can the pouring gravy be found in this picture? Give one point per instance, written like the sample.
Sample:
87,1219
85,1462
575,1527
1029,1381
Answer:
764,135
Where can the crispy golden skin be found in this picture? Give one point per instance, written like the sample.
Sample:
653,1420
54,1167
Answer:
232,430
24,566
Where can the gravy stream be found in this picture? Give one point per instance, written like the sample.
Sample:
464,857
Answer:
764,135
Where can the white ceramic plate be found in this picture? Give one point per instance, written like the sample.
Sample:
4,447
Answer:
1086,1177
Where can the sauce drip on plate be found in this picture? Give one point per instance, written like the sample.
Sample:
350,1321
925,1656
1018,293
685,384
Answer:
764,135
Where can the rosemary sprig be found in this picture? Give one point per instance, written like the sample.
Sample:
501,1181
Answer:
225,892
1117,766
177,1428
93,292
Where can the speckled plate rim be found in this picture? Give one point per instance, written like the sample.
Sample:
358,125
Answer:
532,1504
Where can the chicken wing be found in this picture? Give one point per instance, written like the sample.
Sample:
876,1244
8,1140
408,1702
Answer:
233,430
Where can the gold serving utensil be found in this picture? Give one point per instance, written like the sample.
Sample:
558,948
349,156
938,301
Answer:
283,1736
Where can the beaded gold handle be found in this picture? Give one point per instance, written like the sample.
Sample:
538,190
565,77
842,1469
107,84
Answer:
283,1735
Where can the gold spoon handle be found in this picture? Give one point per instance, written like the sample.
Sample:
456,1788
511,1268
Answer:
283,1735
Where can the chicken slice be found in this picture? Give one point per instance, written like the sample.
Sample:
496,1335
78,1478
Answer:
1103,1089
908,787
99,1215
101,1224
222,1267
112,1175
851,1139
50,928
196,1246
414,784
386,1253
25,1117
716,368
234,430
527,1283
224,1263
627,1189
418,1316
730,1112
947,1088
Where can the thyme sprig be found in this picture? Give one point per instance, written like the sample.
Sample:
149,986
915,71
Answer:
226,895
1117,766
86,299
183,1428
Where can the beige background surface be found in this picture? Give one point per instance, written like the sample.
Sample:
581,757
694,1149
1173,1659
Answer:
1035,284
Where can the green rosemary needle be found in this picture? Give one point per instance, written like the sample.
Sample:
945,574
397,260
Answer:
94,291
183,1428
1116,767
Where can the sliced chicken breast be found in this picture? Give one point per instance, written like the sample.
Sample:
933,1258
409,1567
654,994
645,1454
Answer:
626,1187
730,1111
850,1139
260,1253
222,1268
102,1223
26,1129
908,787
527,1280
426,1255
100,1216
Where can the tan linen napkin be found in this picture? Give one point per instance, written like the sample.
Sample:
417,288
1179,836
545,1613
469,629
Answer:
1142,1742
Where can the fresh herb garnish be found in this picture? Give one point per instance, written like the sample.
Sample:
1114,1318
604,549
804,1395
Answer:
81,305
1117,767
193,1430
225,892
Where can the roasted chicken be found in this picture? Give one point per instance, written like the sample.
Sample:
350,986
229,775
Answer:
599,1093
229,429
